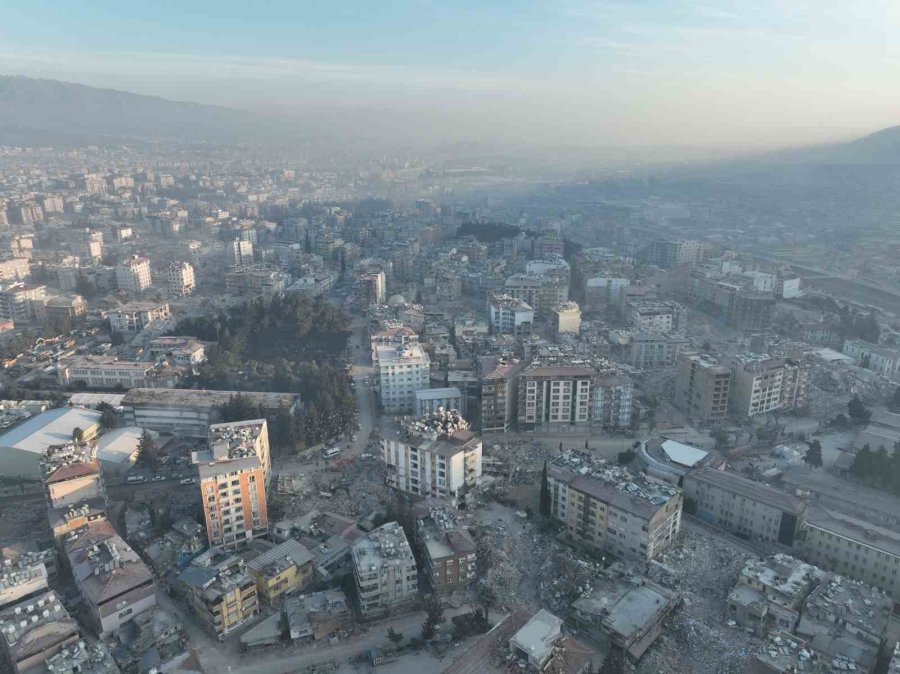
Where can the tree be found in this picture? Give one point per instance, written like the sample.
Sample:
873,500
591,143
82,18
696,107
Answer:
545,504
434,617
586,446
894,403
108,416
77,435
394,636
813,456
146,451
857,411
626,457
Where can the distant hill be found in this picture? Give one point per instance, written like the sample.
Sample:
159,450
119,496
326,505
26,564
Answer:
881,147
33,111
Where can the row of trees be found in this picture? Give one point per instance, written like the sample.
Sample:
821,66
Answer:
878,468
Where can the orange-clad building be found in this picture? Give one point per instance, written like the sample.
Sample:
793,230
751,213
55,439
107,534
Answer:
234,473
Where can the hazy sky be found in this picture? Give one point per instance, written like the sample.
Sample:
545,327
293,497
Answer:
729,74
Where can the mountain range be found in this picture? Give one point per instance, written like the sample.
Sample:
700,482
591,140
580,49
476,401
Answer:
38,111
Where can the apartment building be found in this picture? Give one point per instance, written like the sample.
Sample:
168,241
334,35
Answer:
448,550
431,400
73,487
391,333
655,316
35,630
189,412
499,399
609,508
854,548
702,386
318,615
17,303
601,292
510,316
402,371
15,269
434,455
239,253
283,569
761,384
133,317
770,593
113,581
373,287
234,474
19,584
611,398
384,569
180,278
676,254
223,597
745,507
555,397
133,274
646,350
742,308
255,280
567,318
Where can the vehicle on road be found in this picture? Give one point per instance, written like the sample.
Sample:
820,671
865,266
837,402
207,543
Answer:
134,479
159,478
188,480
328,453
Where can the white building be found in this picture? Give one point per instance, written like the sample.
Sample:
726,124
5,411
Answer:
135,316
603,291
239,252
554,397
401,372
104,372
384,569
429,400
133,274
180,278
873,357
567,318
510,316
435,455
656,316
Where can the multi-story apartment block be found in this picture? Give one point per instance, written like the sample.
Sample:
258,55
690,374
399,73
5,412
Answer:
93,183
761,384
881,359
448,550
133,274
554,397
17,303
742,308
258,279
611,397
510,316
601,292
402,371
702,386
567,318
854,548
234,473
135,316
391,334
499,399
223,597
284,569
675,254
435,455
373,288
431,400
646,350
239,253
53,203
745,507
180,278
655,316
73,487
114,583
524,288
770,593
611,508
384,569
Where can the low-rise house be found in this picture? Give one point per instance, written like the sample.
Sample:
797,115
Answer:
316,616
283,569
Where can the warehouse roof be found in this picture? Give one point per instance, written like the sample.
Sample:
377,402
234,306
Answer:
53,427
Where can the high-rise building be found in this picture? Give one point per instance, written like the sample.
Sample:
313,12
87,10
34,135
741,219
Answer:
611,508
611,401
402,371
234,472
499,399
434,455
675,254
567,318
180,278
702,386
94,184
133,274
761,384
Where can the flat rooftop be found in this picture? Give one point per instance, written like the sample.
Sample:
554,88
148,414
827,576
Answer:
749,489
205,398
53,427
863,532
381,547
